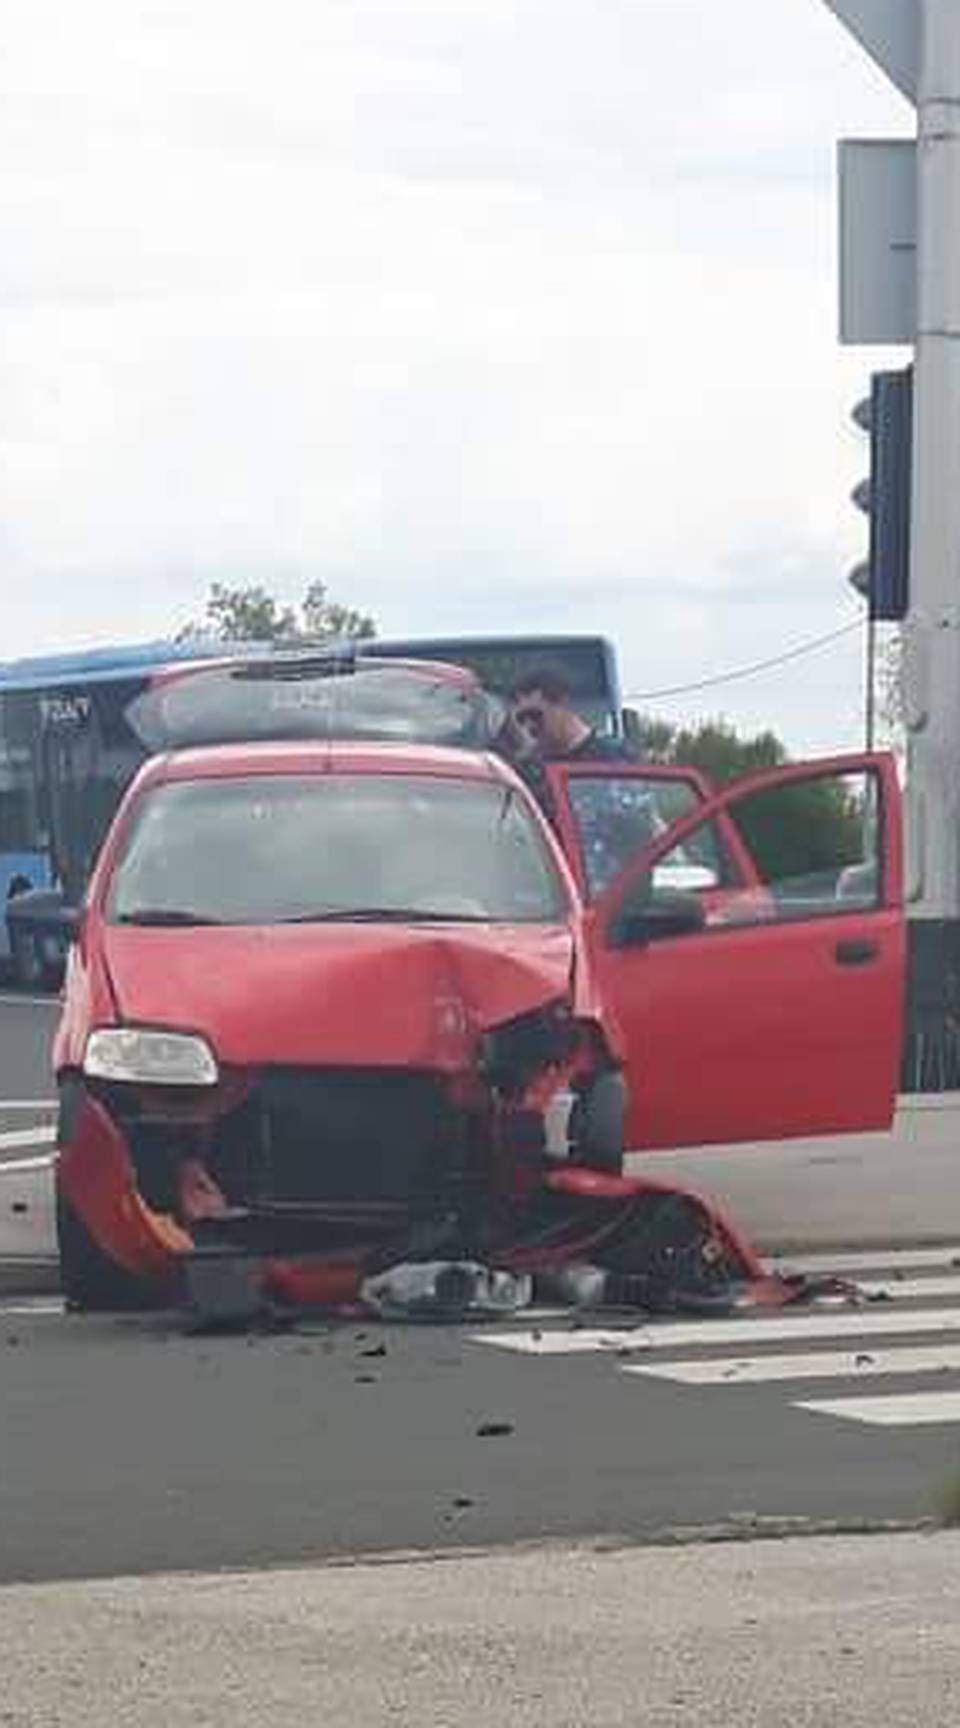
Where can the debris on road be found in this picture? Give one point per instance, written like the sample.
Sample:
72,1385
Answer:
589,1243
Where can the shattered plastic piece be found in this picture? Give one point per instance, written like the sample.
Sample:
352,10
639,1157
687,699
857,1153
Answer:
442,1289
199,1196
579,1286
494,1430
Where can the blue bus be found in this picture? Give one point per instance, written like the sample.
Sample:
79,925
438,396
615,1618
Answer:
67,753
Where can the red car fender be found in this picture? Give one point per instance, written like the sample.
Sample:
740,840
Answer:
95,1175
87,1000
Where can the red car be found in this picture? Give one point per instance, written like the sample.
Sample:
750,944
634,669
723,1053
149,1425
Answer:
324,993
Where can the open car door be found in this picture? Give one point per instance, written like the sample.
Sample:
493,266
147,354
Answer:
754,955
607,812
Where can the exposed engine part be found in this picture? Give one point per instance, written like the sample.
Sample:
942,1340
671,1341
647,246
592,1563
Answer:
300,1149
514,1053
198,1196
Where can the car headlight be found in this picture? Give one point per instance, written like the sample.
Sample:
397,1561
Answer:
150,1058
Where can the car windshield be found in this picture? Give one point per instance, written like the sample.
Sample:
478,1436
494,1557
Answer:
275,849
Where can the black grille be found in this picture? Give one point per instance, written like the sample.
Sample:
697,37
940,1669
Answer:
342,1135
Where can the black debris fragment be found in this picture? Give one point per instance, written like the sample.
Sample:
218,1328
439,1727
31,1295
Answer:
375,1350
494,1430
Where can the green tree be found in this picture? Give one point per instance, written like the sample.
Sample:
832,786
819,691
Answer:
324,618
792,831
253,614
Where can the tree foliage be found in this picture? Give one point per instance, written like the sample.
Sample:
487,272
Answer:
791,831
253,614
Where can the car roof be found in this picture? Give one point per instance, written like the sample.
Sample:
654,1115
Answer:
221,761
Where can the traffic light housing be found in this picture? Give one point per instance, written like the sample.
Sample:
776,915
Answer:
887,415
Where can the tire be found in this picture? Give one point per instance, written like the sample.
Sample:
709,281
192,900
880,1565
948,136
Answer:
597,1124
91,1282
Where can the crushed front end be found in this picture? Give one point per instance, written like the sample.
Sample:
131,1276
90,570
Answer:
303,1175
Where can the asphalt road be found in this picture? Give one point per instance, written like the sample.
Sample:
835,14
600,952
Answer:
26,1029
130,1448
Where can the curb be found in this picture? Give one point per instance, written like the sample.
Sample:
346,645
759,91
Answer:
29,1277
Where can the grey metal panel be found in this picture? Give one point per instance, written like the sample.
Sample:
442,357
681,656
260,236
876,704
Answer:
878,241
889,30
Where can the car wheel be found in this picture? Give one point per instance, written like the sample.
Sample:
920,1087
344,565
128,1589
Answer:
28,966
597,1124
90,1281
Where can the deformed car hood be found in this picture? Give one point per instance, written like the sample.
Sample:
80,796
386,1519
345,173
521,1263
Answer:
335,995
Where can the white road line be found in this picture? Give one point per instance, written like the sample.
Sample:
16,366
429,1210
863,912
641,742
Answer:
16,1001
24,1310
13,1139
26,1166
849,1364
751,1331
891,1410
37,1104
865,1260
911,1289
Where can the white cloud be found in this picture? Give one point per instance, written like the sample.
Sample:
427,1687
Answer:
510,313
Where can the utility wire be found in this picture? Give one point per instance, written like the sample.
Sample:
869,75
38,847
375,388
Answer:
747,671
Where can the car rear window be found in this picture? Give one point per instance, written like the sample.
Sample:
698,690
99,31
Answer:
273,849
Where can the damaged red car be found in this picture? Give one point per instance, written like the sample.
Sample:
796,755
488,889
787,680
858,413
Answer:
339,995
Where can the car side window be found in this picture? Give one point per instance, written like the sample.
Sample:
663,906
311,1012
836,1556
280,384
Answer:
616,816
815,844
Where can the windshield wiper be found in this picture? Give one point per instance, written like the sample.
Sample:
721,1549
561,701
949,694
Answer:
164,917
385,915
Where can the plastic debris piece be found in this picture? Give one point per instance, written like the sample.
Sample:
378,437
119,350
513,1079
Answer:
446,1289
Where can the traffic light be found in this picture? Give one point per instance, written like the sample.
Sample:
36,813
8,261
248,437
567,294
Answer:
887,414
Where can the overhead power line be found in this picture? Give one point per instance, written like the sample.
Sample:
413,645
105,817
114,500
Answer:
732,676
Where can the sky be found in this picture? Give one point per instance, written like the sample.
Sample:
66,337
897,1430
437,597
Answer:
494,314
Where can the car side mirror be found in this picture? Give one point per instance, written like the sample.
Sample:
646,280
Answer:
652,917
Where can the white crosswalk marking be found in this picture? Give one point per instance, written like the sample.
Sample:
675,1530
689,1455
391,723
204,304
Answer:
818,1365
910,1289
903,1410
753,1330
889,1260
32,1306
17,1139
897,1338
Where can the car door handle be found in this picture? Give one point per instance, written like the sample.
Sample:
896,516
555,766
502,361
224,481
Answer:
856,951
